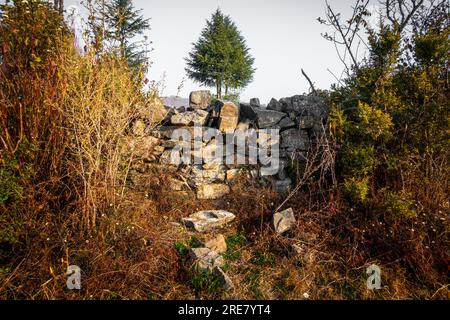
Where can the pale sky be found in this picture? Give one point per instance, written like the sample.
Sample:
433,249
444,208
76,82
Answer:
283,35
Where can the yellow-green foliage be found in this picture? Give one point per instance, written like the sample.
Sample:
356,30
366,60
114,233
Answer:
356,189
358,160
373,122
392,124
398,205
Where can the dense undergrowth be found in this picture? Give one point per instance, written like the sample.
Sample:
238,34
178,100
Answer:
65,200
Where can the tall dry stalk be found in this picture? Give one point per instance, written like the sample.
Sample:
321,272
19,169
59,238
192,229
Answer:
100,104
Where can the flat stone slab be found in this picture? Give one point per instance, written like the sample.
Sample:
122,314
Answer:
197,117
204,221
211,191
205,259
283,221
217,244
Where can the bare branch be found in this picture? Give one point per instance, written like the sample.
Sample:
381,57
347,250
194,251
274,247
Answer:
311,84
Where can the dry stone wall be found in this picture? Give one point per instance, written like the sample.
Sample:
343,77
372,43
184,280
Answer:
298,120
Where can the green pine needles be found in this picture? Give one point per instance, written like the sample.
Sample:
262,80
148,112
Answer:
220,57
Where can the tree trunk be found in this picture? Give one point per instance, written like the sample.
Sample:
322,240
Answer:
219,88
59,6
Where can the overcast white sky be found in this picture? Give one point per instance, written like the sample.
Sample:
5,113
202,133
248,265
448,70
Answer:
283,35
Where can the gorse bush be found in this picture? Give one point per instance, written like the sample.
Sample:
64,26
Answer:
33,39
391,115
390,123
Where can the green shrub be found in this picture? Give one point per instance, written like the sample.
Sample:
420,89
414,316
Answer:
356,189
398,205
207,281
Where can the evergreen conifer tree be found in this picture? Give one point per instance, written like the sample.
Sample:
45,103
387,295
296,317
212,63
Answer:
220,57
124,22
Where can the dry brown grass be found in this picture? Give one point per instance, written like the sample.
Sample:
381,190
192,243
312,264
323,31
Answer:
132,254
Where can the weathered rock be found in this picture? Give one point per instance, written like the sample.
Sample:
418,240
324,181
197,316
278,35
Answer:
144,148
282,170
224,280
212,191
282,186
201,176
214,164
275,105
268,118
264,118
286,123
196,117
167,132
154,112
310,105
254,102
168,157
204,221
306,122
214,150
218,244
287,104
229,116
295,139
157,151
247,112
205,259
243,126
264,139
169,144
200,99
283,221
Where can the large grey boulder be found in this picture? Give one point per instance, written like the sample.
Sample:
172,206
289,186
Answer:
264,118
310,105
268,118
283,221
254,102
275,105
154,112
143,148
247,112
169,132
200,99
204,221
295,139
286,104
